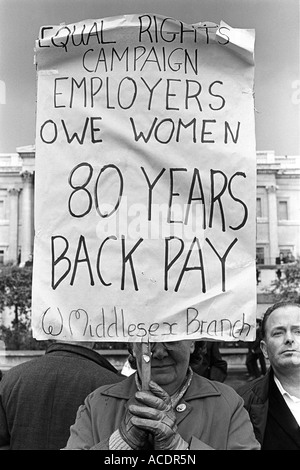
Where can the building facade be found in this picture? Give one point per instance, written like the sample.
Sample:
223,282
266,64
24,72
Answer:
278,207
17,205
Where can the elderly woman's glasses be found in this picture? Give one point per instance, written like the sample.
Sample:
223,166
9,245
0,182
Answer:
169,345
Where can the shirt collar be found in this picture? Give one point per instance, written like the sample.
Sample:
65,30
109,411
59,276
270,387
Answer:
284,392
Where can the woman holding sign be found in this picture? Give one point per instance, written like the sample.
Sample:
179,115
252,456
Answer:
178,410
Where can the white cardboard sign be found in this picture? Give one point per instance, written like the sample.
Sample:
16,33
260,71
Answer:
145,183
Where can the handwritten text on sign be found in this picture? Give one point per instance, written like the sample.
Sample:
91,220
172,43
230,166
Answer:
145,181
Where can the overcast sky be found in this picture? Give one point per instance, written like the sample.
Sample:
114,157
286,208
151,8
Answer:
277,76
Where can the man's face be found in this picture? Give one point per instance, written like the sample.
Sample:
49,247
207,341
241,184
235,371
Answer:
282,342
169,363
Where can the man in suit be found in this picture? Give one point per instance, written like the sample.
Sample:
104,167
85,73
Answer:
39,398
273,401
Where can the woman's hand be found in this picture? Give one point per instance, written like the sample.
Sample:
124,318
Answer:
156,415
135,437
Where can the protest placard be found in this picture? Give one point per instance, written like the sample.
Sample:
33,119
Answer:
145,183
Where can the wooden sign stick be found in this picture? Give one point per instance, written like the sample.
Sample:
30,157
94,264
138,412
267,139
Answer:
146,365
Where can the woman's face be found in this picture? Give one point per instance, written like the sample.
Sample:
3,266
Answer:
169,363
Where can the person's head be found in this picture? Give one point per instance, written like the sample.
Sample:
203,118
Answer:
169,361
280,331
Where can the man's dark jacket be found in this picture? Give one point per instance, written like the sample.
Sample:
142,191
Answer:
39,398
274,425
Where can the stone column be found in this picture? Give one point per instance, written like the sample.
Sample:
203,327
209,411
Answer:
13,224
27,235
273,223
